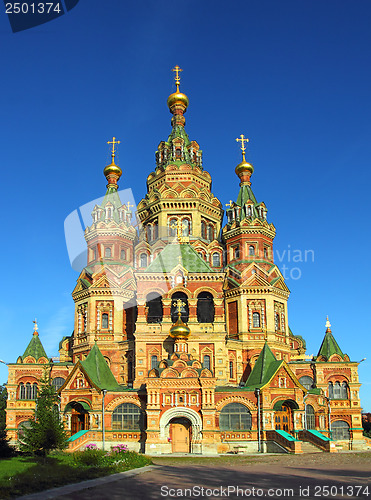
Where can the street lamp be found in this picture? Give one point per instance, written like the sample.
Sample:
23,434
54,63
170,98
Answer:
257,394
104,392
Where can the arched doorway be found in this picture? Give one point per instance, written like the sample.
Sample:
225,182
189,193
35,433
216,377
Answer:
180,435
79,415
283,415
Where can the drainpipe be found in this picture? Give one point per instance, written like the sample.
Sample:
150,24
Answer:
257,394
329,417
305,412
104,392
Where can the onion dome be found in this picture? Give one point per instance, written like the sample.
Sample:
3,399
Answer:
177,102
179,329
177,98
243,167
112,172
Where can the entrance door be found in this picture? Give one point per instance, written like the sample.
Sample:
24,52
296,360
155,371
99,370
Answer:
79,421
283,419
180,431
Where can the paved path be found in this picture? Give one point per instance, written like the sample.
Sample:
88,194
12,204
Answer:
293,477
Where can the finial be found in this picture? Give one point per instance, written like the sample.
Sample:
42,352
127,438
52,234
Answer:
113,142
35,328
230,204
129,205
179,304
178,226
177,70
328,324
243,148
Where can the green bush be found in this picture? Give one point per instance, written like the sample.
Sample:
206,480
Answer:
90,457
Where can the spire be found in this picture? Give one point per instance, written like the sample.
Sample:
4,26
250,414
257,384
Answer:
35,327
112,171
35,348
177,102
329,345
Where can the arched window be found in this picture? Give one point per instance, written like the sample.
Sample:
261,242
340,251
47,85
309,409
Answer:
201,255
28,391
149,232
236,252
109,213
231,369
265,252
256,320
277,322
155,231
205,308
34,391
123,254
58,382
127,416
207,362
153,361
249,211
143,260
306,382
155,309
331,390
337,390
251,251
340,430
107,252
186,227
216,259
235,417
104,320
172,227
130,370
310,416
203,230
184,310
22,391
344,391
210,232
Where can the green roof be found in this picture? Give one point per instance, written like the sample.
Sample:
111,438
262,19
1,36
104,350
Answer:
329,346
98,370
265,367
35,348
175,253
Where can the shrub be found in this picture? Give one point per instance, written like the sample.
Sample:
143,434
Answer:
90,457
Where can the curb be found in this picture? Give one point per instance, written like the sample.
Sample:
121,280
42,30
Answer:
90,483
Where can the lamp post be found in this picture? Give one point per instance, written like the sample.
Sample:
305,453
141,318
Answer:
257,394
104,392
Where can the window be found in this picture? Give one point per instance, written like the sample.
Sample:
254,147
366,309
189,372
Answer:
201,255
210,232
153,362
149,233
310,416
277,322
203,230
256,320
331,390
265,252
186,227
104,320
21,428
205,308
216,259
27,391
344,391
155,231
337,390
235,417
172,227
236,252
206,362
251,251
184,310
58,382
123,254
340,430
143,260
306,382
107,252
109,213
127,416
231,369
249,211
154,308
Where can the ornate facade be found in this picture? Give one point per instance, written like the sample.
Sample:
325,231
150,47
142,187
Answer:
181,338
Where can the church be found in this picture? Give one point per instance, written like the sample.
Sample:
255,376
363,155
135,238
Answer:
181,339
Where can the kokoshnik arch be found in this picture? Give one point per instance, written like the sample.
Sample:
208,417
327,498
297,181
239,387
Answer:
181,339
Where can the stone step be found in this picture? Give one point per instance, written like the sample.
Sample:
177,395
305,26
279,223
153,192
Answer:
309,448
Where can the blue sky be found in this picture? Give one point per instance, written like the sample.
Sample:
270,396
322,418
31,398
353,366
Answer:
294,77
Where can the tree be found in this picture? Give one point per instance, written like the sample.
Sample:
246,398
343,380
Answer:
45,432
5,449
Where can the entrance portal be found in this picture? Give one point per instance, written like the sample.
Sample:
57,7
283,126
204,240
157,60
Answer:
180,435
284,415
79,416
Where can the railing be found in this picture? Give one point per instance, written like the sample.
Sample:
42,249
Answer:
82,438
285,440
317,439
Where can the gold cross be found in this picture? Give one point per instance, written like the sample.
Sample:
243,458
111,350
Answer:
179,259
243,148
129,205
177,70
179,304
229,204
113,142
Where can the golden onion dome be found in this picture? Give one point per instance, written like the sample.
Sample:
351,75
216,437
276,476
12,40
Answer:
244,166
177,98
112,169
179,329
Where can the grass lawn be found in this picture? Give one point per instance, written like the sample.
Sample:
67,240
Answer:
22,475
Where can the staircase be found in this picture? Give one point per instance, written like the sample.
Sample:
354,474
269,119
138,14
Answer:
309,448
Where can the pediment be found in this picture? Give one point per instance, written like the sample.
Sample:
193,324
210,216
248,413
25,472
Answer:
77,379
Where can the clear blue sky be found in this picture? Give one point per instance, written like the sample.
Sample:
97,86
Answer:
293,76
